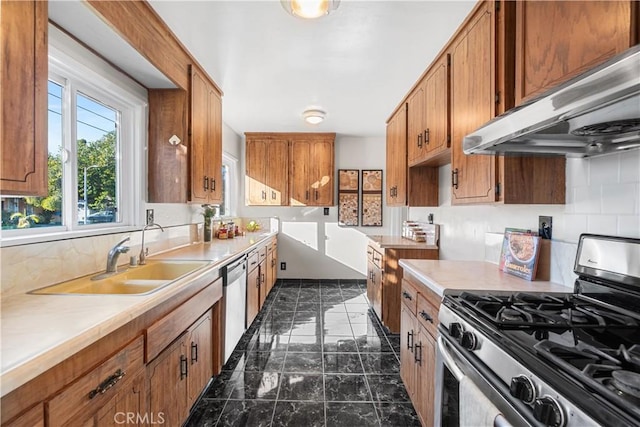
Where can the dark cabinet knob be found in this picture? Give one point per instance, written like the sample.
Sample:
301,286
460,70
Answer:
522,388
455,330
548,412
469,340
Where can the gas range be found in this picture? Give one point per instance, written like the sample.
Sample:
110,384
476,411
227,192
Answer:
561,359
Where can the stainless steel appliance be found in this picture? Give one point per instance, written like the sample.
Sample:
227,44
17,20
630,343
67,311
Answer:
550,359
595,113
235,300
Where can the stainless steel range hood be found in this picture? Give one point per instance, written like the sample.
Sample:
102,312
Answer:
595,113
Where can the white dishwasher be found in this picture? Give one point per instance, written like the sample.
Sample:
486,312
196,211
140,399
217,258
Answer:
235,298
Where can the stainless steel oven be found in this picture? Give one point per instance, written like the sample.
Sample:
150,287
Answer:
536,359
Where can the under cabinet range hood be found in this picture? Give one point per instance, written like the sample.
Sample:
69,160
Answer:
595,113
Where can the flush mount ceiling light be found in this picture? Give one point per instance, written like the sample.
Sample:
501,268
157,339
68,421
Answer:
310,9
313,116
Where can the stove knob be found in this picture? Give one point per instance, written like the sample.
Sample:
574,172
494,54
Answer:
469,340
547,410
522,388
455,330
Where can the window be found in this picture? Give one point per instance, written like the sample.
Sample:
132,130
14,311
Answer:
96,120
229,185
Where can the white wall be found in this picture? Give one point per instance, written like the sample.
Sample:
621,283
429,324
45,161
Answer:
603,197
312,244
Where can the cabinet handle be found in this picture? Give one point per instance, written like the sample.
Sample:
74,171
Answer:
306,195
316,194
206,183
407,295
194,352
410,340
426,135
416,358
213,184
273,195
257,281
454,178
419,140
262,278
426,316
107,384
184,367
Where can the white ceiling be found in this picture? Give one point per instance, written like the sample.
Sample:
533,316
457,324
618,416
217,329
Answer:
357,63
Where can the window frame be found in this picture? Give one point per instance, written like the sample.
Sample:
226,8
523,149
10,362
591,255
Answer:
232,185
78,70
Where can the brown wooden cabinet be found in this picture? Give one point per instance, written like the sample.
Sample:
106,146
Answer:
23,106
272,264
556,41
34,417
479,91
311,170
397,158
206,140
418,332
415,116
385,276
289,169
253,287
436,133
128,406
267,171
179,374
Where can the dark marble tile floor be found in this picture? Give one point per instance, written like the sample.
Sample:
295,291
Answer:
316,355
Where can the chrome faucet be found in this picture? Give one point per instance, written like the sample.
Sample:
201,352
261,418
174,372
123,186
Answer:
142,259
112,258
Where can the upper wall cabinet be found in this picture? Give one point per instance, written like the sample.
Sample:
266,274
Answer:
191,170
23,70
557,40
295,169
267,171
206,140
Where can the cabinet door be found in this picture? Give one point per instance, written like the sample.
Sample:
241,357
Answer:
321,179
277,172
558,40
34,417
167,383
299,160
415,110
472,93
199,125
214,149
199,352
129,407
436,129
425,362
253,295
407,342
256,171
374,288
262,279
23,106
397,159
272,266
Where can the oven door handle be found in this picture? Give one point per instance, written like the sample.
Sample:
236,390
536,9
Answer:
448,360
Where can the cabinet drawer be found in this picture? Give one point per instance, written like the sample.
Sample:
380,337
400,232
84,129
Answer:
409,296
427,315
262,253
96,388
253,259
272,246
166,330
378,259
370,253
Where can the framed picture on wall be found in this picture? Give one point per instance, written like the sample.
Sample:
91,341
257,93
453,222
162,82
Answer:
348,200
372,198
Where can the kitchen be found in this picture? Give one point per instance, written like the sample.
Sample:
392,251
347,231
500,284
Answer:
601,197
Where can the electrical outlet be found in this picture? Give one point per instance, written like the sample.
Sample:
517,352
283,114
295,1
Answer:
149,216
326,211
545,227
283,266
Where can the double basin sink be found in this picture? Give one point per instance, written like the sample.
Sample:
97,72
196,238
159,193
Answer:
140,280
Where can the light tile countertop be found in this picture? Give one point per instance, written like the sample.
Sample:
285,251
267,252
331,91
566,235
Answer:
40,331
454,277
398,242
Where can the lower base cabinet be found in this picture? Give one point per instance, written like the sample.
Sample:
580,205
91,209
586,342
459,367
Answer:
418,331
128,407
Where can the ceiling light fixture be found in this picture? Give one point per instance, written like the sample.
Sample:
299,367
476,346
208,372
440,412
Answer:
310,9
313,116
